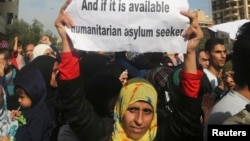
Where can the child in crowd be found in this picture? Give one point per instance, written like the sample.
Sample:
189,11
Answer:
17,54
31,89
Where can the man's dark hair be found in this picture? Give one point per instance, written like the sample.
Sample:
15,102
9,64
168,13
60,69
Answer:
240,57
199,51
211,42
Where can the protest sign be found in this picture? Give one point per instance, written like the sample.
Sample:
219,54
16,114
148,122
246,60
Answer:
128,25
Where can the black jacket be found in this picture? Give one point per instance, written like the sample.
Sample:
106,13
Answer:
39,123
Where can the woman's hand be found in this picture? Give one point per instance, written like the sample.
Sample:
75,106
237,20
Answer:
124,77
194,33
63,20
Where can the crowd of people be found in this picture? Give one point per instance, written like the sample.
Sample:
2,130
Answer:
73,95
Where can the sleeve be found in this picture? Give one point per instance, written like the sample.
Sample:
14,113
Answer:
13,58
79,113
69,66
191,83
184,121
75,109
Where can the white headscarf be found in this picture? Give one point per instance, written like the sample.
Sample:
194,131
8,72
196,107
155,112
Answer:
39,50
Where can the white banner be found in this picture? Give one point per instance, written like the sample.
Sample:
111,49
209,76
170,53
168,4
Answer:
128,25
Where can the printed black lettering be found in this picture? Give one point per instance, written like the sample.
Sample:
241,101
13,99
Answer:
169,32
97,30
138,32
149,6
90,5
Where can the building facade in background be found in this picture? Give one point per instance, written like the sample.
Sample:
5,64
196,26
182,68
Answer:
224,11
8,13
230,10
203,19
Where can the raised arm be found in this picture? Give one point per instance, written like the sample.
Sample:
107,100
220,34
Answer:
69,67
64,20
75,109
184,85
191,76
15,47
193,34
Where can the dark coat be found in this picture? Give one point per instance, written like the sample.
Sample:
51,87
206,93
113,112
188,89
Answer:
82,118
38,119
183,122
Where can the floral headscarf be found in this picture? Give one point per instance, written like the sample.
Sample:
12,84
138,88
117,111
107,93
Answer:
8,127
136,89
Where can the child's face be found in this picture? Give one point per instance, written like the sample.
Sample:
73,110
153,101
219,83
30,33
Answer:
24,100
20,49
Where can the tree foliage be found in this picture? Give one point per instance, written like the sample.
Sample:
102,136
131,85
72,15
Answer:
27,33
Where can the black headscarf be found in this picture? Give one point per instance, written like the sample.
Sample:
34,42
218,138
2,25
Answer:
43,63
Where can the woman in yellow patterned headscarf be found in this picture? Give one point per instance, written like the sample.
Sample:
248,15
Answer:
135,112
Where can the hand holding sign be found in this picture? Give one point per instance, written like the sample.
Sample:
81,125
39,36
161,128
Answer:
128,25
168,39
194,33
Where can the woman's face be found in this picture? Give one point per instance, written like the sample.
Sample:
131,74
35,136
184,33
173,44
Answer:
50,52
228,80
137,119
53,82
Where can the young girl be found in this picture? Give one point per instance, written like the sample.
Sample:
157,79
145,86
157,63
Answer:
17,54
